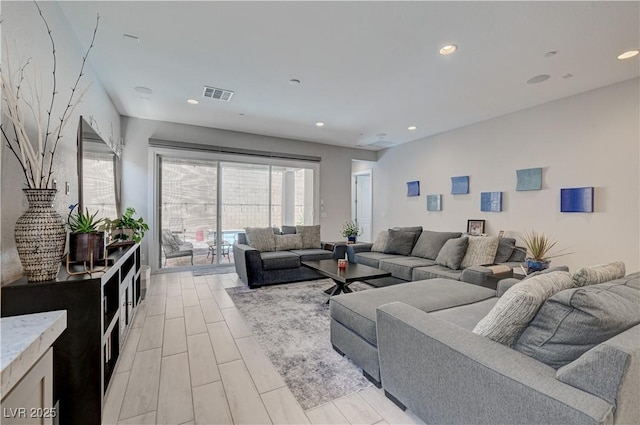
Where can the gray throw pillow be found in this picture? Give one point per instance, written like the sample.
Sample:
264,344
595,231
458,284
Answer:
261,238
574,321
430,243
516,307
452,253
598,274
399,242
505,249
288,230
310,236
380,242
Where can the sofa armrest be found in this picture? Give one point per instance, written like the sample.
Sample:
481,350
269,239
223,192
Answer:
353,249
505,284
339,248
467,378
248,264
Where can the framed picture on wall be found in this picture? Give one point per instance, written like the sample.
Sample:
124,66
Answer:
475,227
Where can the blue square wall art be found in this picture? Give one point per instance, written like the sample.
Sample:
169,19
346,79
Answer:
434,202
529,179
413,188
491,201
459,185
577,199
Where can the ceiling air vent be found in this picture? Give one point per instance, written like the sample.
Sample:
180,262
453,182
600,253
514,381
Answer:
382,144
216,93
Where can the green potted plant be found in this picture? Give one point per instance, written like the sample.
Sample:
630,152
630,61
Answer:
351,231
539,248
86,241
130,228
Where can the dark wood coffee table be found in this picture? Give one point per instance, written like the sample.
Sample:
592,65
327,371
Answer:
344,277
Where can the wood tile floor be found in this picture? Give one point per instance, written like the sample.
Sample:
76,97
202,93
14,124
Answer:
189,358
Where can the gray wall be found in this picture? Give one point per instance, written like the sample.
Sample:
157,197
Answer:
26,37
591,139
335,166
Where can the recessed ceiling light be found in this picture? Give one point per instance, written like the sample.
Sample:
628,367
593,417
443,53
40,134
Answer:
567,76
192,101
143,90
294,82
448,49
538,79
381,135
629,54
413,127
551,53
319,124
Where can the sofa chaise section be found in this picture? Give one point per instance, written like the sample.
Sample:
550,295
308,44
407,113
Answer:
353,316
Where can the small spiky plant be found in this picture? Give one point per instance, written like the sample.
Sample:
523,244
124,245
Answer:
540,245
83,222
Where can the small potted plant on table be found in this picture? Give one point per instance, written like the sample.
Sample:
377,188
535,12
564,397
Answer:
129,228
351,231
86,241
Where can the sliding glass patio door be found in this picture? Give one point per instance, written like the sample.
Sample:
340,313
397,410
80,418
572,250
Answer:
188,211
204,203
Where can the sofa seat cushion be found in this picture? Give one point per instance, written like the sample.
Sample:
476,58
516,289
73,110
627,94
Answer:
573,321
466,316
279,260
372,259
402,267
357,311
313,254
437,271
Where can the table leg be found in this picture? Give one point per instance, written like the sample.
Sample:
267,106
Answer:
336,289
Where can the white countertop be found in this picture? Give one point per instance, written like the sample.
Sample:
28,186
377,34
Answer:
24,339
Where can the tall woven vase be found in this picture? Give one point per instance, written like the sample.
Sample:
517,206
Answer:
40,236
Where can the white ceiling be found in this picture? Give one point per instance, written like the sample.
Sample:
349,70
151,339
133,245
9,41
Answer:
365,68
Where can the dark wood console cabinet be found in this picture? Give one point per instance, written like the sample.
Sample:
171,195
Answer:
100,309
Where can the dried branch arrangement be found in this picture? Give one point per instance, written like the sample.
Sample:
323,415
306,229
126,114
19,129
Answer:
35,148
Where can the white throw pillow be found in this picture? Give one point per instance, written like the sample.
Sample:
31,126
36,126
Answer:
310,236
481,250
518,306
287,242
261,238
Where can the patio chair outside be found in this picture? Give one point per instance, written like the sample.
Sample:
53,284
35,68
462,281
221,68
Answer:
175,247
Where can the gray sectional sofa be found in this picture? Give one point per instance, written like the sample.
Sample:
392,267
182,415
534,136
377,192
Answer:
424,257
576,361
279,260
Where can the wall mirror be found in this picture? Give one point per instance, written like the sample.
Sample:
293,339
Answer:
99,173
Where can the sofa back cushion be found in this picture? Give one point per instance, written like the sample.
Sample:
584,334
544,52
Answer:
310,236
261,238
598,274
288,241
399,242
288,230
430,243
505,249
381,241
481,250
574,321
519,304
452,253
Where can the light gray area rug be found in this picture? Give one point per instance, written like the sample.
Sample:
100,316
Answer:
291,323
209,270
